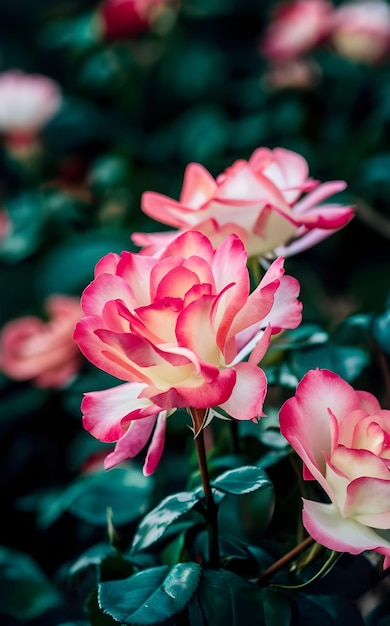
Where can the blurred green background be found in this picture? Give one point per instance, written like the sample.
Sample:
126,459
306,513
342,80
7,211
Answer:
134,112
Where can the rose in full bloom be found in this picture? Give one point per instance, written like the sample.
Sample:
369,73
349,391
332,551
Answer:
296,27
342,437
259,200
43,351
27,103
120,19
360,30
177,329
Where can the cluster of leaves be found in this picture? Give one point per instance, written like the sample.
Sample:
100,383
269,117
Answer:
83,546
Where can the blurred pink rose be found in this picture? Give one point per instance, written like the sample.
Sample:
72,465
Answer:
126,18
5,224
296,27
178,330
343,437
43,351
361,30
259,200
293,74
27,103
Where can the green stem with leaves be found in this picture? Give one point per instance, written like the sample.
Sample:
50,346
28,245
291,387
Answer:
198,417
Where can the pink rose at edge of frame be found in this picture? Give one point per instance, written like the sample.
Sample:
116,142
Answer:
177,329
259,200
342,437
360,31
43,351
296,28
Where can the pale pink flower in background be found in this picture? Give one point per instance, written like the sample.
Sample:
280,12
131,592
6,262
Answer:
360,30
296,28
259,200
27,103
342,437
43,351
177,329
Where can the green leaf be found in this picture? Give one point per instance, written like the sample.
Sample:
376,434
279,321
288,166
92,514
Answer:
202,133
242,480
25,591
346,361
27,215
98,563
126,491
69,267
156,522
78,34
108,171
226,598
303,336
151,596
257,509
381,331
276,607
326,610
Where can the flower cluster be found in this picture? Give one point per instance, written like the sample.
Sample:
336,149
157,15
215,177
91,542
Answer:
195,321
179,323
357,30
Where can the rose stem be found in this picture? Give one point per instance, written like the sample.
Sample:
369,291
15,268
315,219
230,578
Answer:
284,559
198,416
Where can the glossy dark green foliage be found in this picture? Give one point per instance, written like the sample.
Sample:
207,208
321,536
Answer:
150,596
157,522
125,494
25,590
134,113
381,329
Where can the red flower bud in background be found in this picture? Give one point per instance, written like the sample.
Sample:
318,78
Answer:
121,19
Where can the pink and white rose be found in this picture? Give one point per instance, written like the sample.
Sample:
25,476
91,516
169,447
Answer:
295,28
360,30
260,200
342,437
43,351
177,329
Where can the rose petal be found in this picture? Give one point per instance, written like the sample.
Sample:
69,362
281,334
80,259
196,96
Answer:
248,394
156,446
106,413
304,419
326,525
132,442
